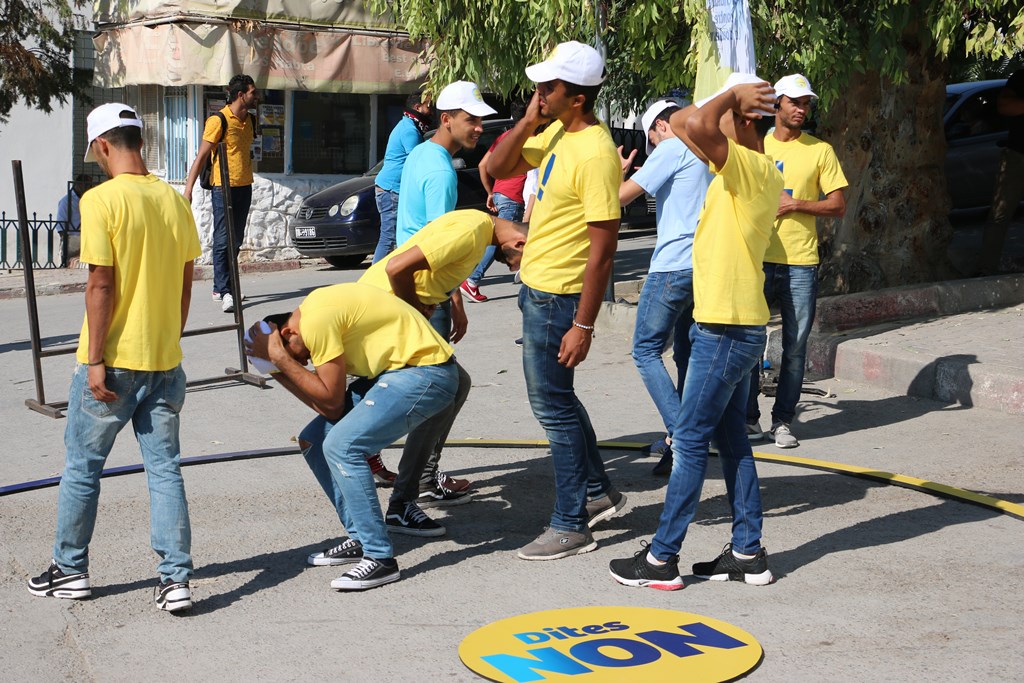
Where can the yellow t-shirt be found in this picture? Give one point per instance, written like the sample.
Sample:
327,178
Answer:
578,182
731,237
239,136
453,245
810,169
375,331
143,228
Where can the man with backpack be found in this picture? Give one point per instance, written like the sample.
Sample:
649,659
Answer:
236,127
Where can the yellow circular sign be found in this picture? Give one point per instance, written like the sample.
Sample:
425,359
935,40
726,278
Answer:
587,644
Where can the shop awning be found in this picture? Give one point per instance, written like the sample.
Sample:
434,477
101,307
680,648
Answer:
276,58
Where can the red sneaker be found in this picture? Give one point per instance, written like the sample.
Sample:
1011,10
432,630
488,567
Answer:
472,292
452,484
382,475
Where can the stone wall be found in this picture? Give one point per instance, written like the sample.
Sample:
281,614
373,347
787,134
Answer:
275,198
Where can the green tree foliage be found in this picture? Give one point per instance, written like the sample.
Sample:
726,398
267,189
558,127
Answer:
36,41
651,48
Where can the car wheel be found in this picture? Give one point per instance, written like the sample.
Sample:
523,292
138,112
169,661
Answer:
346,261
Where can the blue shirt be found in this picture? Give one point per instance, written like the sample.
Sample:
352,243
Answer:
404,137
430,188
678,180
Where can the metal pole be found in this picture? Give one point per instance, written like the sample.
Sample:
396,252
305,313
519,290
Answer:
30,280
229,222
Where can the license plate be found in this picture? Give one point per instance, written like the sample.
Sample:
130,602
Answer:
305,232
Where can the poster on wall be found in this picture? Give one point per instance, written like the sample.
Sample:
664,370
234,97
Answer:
256,151
271,114
272,140
214,105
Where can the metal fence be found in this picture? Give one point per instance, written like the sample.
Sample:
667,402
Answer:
47,238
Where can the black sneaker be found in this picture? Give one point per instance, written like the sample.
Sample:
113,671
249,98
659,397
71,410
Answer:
54,583
638,572
728,567
408,519
440,495
604,507
369,573
664,466
173,596
346,552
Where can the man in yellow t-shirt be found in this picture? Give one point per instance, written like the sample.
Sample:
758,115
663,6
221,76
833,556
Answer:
423,271
566,264
726,339
814,187
235,126
407,380
139,240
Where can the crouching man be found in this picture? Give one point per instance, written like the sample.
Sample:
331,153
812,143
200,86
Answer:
406,377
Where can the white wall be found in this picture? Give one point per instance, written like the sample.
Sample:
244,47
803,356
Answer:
43,144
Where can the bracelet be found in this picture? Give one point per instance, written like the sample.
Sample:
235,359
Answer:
99,362
587,328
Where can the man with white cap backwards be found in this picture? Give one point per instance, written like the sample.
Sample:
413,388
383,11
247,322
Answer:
726,339
140,240
566,263
430,190
811,171
678,179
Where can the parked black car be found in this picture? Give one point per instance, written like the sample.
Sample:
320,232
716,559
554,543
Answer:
342,225
975,135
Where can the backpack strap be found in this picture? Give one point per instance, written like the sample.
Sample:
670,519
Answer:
223,127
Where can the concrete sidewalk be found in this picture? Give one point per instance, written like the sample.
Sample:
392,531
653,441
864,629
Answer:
874,582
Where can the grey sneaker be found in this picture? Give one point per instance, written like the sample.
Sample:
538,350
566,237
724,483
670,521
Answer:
604,507
783,436
754,432
555,544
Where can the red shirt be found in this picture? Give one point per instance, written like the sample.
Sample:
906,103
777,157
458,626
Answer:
510,187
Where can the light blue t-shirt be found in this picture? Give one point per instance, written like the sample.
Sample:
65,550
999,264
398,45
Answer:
678,180
429,189
404,137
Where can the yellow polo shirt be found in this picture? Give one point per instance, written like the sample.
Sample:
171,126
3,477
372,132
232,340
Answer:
810,169
238,136
374,330
732,235
578,183
142,227
453,245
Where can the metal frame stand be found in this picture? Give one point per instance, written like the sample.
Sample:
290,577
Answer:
56,409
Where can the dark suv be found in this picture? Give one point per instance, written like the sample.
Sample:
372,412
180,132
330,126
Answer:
341,223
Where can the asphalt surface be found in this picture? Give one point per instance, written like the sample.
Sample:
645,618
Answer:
874,582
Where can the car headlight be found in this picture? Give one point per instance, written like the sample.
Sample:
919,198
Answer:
349,205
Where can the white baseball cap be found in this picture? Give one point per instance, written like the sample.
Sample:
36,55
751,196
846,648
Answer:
108,117
647,120
571,62
463,95
794,86
734,79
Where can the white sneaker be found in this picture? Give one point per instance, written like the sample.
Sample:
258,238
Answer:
783,436
754,431
229,304
216,296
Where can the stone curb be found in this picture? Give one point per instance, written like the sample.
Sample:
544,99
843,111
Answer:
202,272
839,343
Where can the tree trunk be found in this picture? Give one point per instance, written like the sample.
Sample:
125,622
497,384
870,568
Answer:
896,230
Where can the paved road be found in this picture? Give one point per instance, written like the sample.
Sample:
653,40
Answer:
874,581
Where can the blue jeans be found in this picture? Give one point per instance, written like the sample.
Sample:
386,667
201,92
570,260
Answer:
378,413
509,209
241,199
714,406
387,206
664,315
579,470
795,289
152,401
